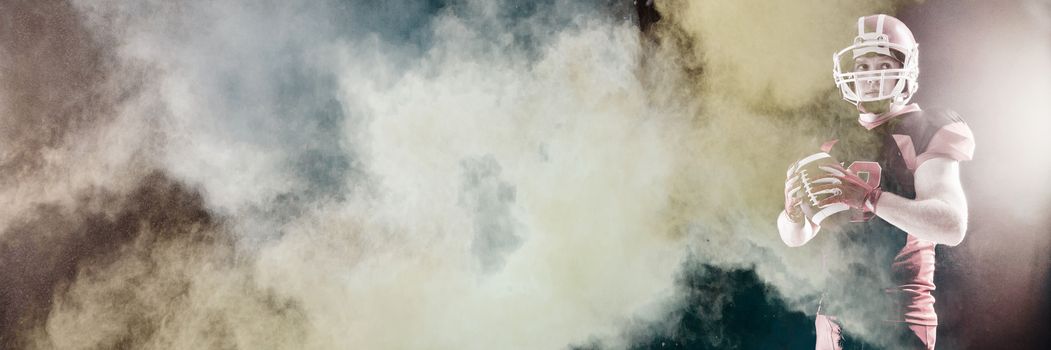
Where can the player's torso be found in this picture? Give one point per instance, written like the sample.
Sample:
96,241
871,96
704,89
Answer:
882,256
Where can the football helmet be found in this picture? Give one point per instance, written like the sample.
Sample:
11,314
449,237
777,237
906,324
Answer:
884,35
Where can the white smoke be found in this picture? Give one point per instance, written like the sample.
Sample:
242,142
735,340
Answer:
485,179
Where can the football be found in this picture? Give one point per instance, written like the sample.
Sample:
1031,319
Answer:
810,172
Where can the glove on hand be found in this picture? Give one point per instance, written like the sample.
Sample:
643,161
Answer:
848,188
793,198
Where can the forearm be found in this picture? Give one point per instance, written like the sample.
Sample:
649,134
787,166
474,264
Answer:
931,219
795,234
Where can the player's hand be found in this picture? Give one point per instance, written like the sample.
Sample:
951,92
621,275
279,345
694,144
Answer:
793,197
848,189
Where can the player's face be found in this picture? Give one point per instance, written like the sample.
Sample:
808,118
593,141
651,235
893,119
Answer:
875,62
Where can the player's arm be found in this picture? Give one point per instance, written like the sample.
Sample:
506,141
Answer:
795,234
939,212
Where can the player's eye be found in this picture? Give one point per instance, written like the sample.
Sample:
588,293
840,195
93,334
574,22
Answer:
861,67
885,66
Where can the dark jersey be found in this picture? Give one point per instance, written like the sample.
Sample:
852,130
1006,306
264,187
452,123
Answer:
896,272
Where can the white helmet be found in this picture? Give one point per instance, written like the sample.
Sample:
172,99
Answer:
883,35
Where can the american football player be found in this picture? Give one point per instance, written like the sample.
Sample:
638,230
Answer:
916,202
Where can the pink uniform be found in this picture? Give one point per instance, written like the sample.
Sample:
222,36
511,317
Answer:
907,141
921,136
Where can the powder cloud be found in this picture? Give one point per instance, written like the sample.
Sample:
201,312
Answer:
461,175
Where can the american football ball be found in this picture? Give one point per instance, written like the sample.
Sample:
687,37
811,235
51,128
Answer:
812,171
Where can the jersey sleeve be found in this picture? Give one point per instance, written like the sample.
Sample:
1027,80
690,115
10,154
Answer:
953,140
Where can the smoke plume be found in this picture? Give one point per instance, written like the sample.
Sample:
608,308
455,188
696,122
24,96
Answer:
390,175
